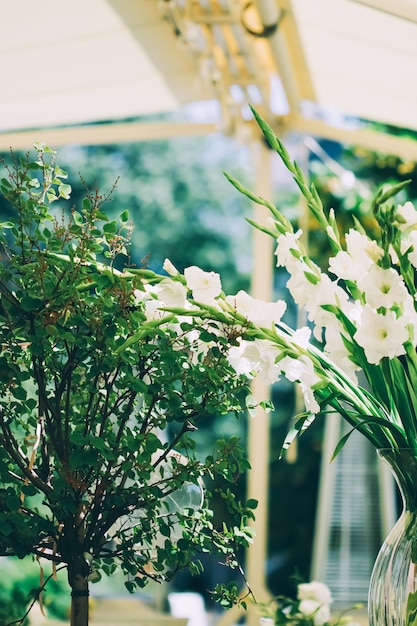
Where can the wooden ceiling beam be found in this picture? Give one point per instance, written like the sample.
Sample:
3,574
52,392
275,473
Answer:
98,134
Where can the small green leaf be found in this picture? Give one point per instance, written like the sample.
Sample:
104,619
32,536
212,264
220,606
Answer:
60,173
31,304
110,228
78,218
64,191
86,205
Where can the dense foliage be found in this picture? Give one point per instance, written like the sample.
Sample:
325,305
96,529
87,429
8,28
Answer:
101,396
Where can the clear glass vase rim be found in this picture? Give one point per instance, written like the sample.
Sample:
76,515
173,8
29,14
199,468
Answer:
385,451
396,449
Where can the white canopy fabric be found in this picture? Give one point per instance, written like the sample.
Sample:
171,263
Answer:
306,65
76,62
361,56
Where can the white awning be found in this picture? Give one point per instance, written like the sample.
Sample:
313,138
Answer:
361,56
79,63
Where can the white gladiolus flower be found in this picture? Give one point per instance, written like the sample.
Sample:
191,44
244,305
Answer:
314,590
257,356
286,243
319,612
263,354
242,302
264,314
170,268
241,364
310,402
312,297
381,335
301,288
301,370
409,244
344,266
301,337
409,317
297,369
364,250
153,309
205,286
409,215
152,306
139,296
341,266
171,293
382,287
354,311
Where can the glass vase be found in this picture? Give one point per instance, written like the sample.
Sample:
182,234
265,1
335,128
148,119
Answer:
392,599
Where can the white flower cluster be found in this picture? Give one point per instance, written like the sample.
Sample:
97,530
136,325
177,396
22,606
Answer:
250,357
311,608
158,299
314,601
377,303
363,311
254,356
382,310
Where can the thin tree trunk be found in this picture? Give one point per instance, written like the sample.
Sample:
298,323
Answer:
79,611
79,594
78,572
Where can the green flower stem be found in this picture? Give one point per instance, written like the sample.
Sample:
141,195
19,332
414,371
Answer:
146,327
309,192
365,414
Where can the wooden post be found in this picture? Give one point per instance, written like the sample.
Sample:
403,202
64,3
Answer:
258,426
